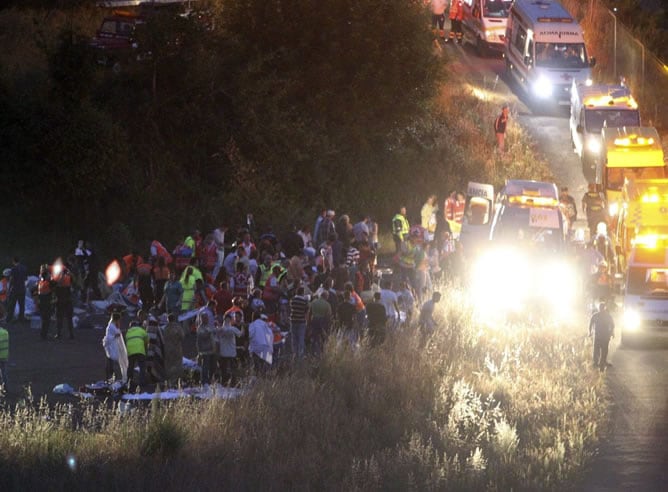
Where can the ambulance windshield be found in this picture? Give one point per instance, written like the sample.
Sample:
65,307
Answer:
496,8
651,282
561,55
613,118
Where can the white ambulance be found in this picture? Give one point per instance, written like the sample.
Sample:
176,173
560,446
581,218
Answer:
485,24
545,50
594,107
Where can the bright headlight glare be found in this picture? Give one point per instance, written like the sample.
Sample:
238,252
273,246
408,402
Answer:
562,280
631,320
589,82
594,145
613,208
542,87
499,280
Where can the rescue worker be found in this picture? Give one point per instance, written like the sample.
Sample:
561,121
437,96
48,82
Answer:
400,228
602,328
130,262
63,290
4,356
500,127
593,205
136,342
568,209
438,8
601,283
45,299
456,17
453,211
192,242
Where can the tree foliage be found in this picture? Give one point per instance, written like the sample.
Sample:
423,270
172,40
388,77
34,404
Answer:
281,106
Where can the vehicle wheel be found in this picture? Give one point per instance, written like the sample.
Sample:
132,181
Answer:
116,67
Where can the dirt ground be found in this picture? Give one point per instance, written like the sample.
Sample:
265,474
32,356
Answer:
41,365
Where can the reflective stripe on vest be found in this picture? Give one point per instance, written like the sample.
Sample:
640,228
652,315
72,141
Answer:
135,340
4,344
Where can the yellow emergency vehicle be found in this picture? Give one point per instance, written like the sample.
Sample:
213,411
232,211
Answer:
628,153
643,216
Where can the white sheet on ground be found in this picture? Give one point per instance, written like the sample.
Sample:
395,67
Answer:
204,393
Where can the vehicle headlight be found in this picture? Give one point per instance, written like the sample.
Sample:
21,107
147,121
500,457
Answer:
542,87
631,320
562,282
613,208
594,145
499,281
589,82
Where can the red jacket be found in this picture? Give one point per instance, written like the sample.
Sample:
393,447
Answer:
456,10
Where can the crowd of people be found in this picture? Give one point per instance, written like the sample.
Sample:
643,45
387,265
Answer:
247,295
249,299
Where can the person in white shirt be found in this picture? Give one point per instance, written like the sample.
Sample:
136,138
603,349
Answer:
261,344
390,300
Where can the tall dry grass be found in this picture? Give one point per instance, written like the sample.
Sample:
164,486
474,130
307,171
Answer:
469,408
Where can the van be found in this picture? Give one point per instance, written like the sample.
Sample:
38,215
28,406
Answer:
485,24
528,212
646,294
545,50
594,107
628,153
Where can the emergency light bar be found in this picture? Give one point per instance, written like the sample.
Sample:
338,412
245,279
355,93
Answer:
536,201
611,100
634,141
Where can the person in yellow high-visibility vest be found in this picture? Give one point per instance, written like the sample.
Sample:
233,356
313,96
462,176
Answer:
136,341
400,228
4,356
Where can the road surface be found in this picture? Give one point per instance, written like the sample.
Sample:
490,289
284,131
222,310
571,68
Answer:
634,455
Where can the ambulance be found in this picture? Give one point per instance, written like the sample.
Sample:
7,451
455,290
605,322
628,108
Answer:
545,50
525,269
645,299
594,107
485,23
629,153
642,219
528,212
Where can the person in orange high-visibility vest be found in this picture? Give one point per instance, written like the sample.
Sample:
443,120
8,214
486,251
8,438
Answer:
456,16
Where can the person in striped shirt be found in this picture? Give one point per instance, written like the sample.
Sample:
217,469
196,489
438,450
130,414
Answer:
298,309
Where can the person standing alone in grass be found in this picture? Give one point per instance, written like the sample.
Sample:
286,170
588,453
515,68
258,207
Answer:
602,327
500,127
